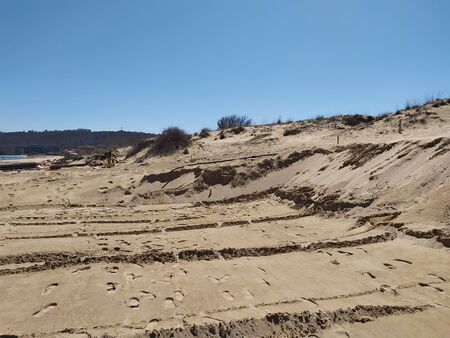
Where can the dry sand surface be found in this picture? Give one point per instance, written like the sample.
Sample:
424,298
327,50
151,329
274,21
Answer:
252,235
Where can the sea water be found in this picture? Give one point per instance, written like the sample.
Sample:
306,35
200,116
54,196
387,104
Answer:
13,157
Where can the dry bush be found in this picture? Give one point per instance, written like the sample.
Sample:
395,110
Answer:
292,131
171,140
205,132
237,130
319,118
354,120
440,103
233,121
382,116
417,103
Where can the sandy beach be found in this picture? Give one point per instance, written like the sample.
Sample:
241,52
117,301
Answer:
260,232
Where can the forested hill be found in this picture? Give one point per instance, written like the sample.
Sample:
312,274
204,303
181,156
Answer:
46,142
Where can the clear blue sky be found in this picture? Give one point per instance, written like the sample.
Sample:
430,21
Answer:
144,65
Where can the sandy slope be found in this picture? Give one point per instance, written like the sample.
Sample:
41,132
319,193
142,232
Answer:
256,234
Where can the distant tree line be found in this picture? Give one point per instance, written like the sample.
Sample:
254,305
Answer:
54,142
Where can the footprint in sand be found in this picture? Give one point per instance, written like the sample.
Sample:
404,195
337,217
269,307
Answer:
169,304
370,274
129,276
133,303
227,296
389,289
111,287
182,272
146,294
219,280
247,295
264,282
338,334
402,260
178,295
123,242
439,277
151,325
112,269
44,310
347,253
389,266
81,269
168,276
428,285
49,288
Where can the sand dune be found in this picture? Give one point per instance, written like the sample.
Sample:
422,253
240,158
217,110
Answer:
263,233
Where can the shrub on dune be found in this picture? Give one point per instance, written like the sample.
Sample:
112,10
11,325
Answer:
171,140
233,121
205,132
